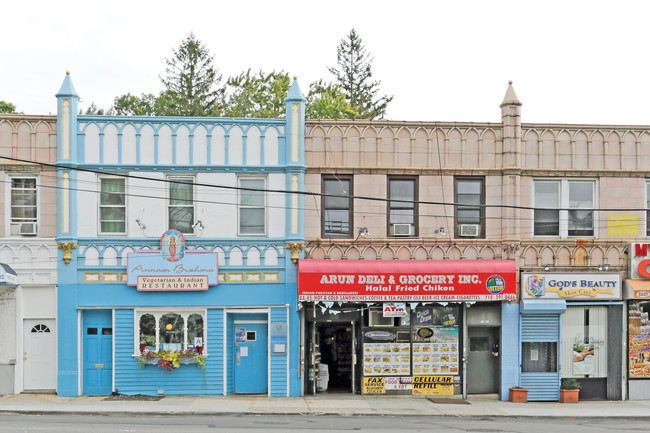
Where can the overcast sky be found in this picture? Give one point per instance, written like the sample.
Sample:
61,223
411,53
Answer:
570,61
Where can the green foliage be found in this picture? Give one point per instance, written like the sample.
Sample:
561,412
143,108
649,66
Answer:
170,360
327,101
257,95
94,110
570,383
191,81
354,74
7,107
131,105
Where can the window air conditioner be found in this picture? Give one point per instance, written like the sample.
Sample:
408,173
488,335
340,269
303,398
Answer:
469,230
402,229
376,318
27,229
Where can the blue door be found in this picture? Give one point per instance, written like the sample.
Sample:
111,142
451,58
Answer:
97,352
251,358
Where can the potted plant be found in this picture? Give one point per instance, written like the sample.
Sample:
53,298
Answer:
569,390
518,394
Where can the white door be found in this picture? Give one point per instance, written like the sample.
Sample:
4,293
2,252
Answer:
39,354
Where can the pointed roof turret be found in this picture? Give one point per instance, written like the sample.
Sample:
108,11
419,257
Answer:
67,88
294,91
511,96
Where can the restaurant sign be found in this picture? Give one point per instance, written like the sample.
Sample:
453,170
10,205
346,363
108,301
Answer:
408,280
172,268
571,286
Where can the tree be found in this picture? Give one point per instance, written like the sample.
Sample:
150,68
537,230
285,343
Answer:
94,110
191,81
257,94
327,101
131,105
354,73
7,107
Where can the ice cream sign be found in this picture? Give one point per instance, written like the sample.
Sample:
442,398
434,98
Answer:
571,286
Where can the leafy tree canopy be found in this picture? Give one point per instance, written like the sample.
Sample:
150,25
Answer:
7,107
257,95
354,74
327,101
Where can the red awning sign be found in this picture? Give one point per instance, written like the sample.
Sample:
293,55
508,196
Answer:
407,280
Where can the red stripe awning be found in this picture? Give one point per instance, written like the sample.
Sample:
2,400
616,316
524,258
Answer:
406,280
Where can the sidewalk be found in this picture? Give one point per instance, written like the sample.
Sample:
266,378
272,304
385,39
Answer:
345,405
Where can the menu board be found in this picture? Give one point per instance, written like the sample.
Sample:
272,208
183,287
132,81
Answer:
437,355
386,359
639,339
435,358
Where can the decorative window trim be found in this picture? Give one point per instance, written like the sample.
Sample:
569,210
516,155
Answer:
416,194
480,206
99,207
350,208
264,179
564,207
158,313
9,224
185,178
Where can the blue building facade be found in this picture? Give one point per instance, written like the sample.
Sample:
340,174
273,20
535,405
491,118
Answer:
221,188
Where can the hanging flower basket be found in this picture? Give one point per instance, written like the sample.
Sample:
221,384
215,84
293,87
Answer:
171,360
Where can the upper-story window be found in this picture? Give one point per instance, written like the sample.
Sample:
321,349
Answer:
402,215
24,206
337,211
564,208
469,210
112,205
181,203
252,206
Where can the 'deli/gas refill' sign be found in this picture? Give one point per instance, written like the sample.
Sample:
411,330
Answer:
433,385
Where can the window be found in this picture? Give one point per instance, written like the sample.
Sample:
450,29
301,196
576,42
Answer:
539,357
564,208
337,211
112,206
402,215
252,213
24,206
584,342
181,204
469,216
173,331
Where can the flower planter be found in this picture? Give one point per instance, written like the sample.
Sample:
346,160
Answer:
518,395
569,395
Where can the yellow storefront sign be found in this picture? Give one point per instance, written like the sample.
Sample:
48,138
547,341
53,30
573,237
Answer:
433,385
373,385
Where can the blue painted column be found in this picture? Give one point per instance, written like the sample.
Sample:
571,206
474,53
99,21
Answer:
510,343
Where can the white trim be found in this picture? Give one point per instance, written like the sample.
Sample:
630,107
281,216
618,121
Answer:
264,179
225,352
178,178
99,206
185,312
113,350
9,176
79,352
268,354
288,355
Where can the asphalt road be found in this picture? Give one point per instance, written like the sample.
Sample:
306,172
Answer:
314,424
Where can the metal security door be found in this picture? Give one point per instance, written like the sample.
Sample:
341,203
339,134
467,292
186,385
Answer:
483,360
97,352
251,358
39,350
354,356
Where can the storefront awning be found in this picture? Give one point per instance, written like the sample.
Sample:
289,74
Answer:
637,289
406,280
8,275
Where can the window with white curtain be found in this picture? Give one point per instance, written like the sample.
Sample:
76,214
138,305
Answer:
584,342
112,205
252,206
181,203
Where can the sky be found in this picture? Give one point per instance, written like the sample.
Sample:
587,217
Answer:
578,62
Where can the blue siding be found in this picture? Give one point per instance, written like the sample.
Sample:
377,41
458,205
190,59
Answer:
540,327
541,386
215,347
131,379
230,343
278,362
509,348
